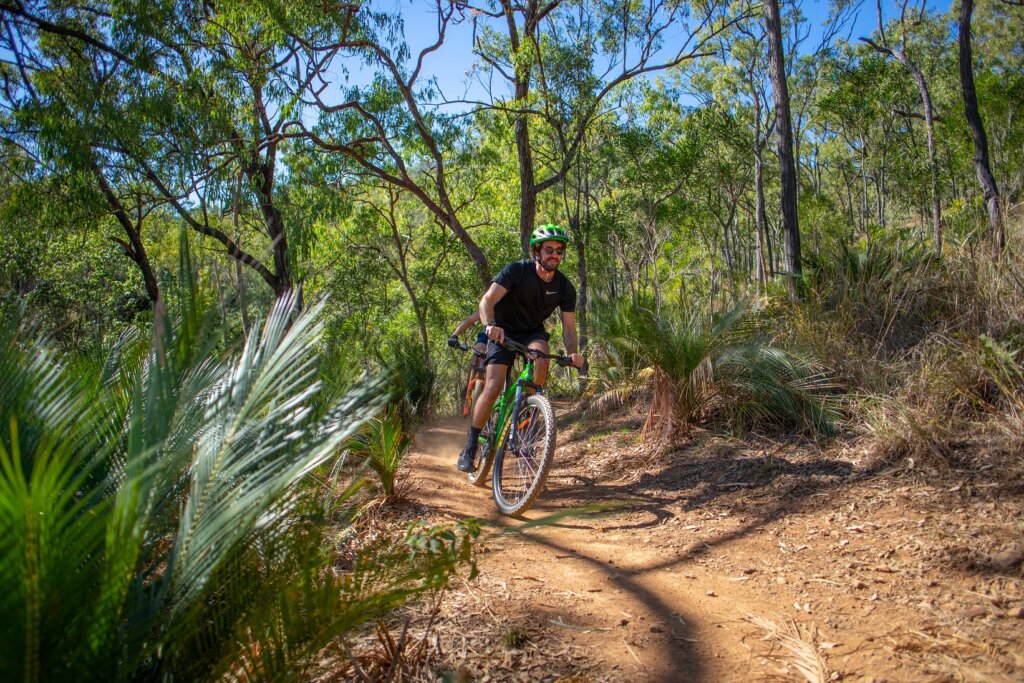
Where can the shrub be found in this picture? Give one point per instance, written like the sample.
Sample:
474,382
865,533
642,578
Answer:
699,369
156,520
414,377
382,443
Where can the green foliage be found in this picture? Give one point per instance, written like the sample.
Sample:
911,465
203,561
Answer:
198,113
414,376
702,370
382,443
890,291
155,518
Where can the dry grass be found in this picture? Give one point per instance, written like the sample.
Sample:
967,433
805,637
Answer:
792,647
949,654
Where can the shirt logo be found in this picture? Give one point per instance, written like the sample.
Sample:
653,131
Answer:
547,292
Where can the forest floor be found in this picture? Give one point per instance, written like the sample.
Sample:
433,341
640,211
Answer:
724,560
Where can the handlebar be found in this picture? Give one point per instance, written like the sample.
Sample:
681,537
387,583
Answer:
563,361
467,347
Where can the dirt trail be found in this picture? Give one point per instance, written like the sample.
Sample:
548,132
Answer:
600,582
662,588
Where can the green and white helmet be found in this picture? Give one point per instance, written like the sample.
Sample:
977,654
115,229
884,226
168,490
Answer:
547,232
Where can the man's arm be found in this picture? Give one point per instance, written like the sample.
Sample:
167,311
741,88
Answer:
492,296
466,324
569,338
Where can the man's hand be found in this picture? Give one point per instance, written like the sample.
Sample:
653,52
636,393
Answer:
495,333
453,341
577,360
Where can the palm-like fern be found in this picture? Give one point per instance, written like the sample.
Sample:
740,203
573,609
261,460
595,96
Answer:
382,443
154,520
697,368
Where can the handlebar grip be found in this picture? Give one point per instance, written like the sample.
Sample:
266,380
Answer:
567,363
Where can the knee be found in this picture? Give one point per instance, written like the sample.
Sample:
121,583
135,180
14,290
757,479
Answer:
491,390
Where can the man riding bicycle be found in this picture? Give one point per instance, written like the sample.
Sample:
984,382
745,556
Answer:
522,296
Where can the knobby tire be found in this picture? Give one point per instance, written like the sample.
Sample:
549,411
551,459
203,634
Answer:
521,467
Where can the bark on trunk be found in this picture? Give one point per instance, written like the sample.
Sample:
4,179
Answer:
981,163
933,164
243,302
261,175
527,183
784,133
760,219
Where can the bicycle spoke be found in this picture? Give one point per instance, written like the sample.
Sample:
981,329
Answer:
520,468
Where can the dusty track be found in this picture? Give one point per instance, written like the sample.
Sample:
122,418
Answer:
664,588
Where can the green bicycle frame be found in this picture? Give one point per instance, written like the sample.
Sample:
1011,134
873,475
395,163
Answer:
509,403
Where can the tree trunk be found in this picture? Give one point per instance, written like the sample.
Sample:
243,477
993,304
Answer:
261,176
784,133
760,218
527,182
933,164
528,189
243,302
133,247
981,163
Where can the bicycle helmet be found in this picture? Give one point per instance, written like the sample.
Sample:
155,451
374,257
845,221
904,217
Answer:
550,231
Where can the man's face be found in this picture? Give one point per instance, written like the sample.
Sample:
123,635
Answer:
551,253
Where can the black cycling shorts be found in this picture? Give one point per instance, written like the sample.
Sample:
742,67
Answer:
498,355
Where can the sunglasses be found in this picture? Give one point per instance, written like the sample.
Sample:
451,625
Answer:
554,252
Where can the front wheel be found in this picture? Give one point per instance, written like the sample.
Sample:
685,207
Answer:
521,465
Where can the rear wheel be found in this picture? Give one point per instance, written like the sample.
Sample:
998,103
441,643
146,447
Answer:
522,465
484,452
474,390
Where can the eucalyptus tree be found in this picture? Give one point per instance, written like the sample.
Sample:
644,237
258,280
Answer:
215,140
854,122
171,104
561,63
58,114
388,229
737,82
784,145
981,162
911,16
997,42
382,124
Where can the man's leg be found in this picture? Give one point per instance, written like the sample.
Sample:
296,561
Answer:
494,381
540,366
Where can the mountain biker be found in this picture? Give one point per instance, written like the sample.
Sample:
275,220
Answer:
480,345
522,296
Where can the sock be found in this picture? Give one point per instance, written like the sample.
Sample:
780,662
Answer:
474,434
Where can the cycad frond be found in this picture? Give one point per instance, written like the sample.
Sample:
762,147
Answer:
702,368
187,542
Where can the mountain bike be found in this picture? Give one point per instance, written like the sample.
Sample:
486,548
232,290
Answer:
475,381
517,445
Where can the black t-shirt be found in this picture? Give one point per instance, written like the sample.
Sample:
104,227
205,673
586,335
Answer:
529,300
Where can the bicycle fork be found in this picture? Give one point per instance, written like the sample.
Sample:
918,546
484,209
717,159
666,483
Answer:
517,406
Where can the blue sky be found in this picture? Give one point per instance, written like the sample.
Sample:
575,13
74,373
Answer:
452,61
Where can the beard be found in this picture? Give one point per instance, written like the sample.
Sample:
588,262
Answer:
547,267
